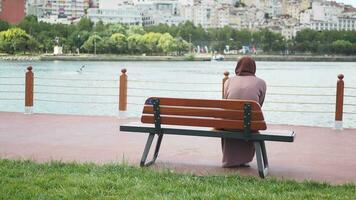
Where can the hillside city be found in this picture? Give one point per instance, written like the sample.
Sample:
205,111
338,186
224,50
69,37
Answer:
286,17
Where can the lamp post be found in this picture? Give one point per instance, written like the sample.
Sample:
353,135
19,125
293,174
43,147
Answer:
95,44
231,44
78,43
190,43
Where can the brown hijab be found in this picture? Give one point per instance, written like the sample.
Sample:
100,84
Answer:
246,67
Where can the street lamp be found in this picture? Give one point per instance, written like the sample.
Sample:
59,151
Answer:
95,43
190,43
78,43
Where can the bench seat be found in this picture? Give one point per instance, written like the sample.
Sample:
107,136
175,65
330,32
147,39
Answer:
239,119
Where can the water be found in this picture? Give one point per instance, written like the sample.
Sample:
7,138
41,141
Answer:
160,79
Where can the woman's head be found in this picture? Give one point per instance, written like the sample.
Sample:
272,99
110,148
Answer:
245,67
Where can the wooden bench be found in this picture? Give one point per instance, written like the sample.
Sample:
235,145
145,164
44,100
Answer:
211,118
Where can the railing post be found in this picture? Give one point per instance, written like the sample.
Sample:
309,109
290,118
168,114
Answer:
226,77
29,91
339,102
123,91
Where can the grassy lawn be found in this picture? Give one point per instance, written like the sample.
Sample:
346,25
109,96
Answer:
29,180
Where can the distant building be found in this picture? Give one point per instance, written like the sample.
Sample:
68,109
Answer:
125,14
109,4
12,11
34,7
69,9
222,16
325,15
204,14
157,12
247,18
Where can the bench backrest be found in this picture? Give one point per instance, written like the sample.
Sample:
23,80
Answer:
220,114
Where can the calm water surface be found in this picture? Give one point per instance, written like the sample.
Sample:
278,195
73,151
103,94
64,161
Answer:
97,86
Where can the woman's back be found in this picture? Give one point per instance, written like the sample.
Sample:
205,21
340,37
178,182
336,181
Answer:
245,88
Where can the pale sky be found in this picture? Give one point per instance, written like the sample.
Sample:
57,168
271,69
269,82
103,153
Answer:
350,2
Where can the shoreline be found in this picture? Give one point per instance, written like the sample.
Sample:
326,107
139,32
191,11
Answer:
201,57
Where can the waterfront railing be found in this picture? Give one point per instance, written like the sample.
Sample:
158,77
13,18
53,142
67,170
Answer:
328,100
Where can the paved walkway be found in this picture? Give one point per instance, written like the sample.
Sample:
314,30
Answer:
321,154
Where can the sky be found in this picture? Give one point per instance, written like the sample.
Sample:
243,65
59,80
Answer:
351,2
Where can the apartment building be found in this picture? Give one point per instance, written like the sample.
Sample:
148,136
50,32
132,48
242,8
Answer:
12,11
327,15
70,9
125,14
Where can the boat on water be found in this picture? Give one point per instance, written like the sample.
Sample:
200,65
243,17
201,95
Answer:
217,57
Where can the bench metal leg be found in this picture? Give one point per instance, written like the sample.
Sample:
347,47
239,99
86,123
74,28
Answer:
261,157
147,150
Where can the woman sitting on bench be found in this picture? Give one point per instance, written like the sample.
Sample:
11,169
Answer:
244,86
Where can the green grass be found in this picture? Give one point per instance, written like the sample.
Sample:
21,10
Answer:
29,180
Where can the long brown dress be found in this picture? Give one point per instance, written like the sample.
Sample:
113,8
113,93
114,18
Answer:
245,87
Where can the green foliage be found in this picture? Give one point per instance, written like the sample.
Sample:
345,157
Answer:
85,24
269,41
135,30
336,42
99,27
114,28
29,180
32,45
119,42
94,44
167,43
181,45
342,47
190,57
162,38
15,40
150,41
135,44
4,25
192,33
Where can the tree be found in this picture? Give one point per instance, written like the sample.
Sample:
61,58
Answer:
181,45
5,46
13,40
151,42
99,27
114,28
32,45
196,35
307,40
4,25
30,25
119,42
167,43
135,30
93,44
269,41
136,44
85,24
342,47
77,39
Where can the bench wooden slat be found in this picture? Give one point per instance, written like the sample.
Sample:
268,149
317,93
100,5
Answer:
204,112
204,122
208,103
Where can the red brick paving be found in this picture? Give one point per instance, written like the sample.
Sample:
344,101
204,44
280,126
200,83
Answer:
320,154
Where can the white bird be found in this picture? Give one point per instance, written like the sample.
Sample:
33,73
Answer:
80,70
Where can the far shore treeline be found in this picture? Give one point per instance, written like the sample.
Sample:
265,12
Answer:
31,36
